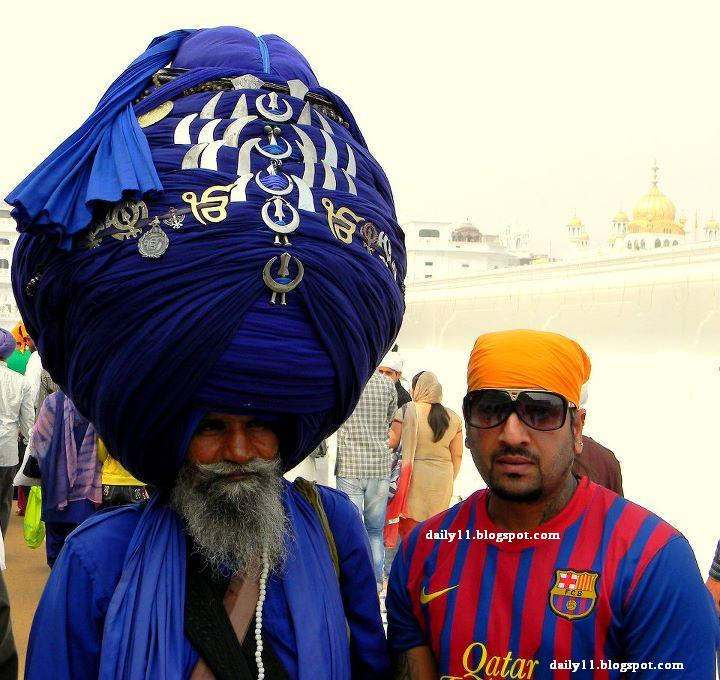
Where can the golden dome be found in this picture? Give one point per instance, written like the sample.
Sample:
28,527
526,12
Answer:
654,205
655,212
575,222
620,217
712,224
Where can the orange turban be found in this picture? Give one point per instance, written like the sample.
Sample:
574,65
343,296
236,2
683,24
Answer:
21,336
529,359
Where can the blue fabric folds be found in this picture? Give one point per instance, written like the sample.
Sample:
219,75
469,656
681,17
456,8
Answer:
105,158
143,635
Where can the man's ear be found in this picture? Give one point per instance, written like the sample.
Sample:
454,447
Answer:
578,424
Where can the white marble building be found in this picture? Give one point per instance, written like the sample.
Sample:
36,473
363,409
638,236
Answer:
443,250
9,314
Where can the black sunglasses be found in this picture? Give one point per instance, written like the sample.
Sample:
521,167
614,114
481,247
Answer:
544,411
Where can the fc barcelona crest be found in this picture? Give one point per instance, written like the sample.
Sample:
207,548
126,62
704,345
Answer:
574,594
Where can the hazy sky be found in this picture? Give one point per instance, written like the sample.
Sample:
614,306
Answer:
503,112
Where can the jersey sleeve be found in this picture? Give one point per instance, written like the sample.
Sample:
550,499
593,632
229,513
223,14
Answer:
404,630
66,634
368,648
670,618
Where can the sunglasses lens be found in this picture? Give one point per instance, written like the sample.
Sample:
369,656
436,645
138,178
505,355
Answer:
489,408
541,410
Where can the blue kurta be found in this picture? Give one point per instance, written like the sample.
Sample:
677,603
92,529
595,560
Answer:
66,636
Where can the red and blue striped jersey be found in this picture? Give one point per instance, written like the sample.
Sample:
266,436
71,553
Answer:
619,586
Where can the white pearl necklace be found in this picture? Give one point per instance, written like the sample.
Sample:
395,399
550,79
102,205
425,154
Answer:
258,616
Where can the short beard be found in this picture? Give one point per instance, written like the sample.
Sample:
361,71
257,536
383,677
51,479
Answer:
529,496
533,494
230,521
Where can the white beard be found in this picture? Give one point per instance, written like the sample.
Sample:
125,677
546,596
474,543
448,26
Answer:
232,521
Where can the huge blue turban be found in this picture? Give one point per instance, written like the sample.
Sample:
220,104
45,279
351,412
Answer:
158,266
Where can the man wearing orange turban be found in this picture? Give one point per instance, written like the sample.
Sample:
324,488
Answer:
543,571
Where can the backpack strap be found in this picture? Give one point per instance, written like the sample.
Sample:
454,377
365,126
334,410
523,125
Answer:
309,491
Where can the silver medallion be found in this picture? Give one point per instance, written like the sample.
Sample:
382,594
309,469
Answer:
154,242
283,284
273,113
279,222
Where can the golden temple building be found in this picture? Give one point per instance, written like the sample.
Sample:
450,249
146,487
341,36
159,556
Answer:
653,223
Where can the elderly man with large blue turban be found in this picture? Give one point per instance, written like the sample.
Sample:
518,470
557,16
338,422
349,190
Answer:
227,192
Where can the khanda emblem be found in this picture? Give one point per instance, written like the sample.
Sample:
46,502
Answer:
370,236
281,217
273,149
211,206
342,222
281,283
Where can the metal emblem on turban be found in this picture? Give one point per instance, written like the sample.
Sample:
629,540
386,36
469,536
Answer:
153,243
155,115
124,217
342,222
246,82
274,183
211,206
272,149
370,236
283,284
279,222
174,219
273,113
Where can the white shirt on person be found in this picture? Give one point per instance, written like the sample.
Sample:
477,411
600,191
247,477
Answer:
33,371
17,413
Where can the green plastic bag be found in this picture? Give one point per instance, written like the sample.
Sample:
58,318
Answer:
33,526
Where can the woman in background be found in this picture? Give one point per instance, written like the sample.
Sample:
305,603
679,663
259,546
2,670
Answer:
430,436
62,453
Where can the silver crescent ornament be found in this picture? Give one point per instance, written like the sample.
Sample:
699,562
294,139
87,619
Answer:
285,284
273,113
277,222
272,171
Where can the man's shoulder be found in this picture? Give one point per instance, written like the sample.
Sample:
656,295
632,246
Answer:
12,377
456,517
101,541
378,383
336,503
593,448
632,526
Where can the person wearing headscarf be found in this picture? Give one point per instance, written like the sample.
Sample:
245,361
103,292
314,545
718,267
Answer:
62,452
19,361
543,574
17,414
429,436
228,191
24,347
597,462
392,367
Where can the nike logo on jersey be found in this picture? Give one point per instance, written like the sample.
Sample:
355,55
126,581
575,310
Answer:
429,597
